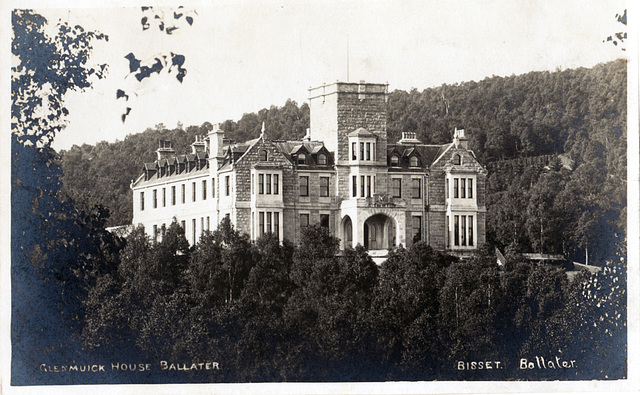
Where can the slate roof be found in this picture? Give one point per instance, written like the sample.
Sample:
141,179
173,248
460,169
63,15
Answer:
427,153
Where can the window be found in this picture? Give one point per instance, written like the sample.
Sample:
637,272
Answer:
204,189
362,186
361,151
417,228
201,225
368,186
268,184
372,233
184,188
324,220
164,197
261,223
447,189
471,230
208,224
261,184
463,189
183,224
276,224
304,186
227,185
173,195
415,188
155,232
353,152
193,230
455,188
227,217
463,233
155,198
354,185
414,161
302,159
276,184
456,230
395,161
213,187
322,159
396,187
263,155
193,191
470,186
141,201
324,186
457,159
268,230
304,220
368,151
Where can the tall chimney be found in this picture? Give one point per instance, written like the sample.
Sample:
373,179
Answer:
198,145
165,149
459,139
216,146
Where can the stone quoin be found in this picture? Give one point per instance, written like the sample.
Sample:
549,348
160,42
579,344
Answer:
343,174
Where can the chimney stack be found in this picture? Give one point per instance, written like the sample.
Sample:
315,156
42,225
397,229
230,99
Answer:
198,145
409,138
165,149
459,139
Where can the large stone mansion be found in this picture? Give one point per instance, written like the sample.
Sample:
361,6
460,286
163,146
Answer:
343,175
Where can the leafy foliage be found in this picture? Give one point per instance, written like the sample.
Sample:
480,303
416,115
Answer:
277,312
47,69
167,21
58,252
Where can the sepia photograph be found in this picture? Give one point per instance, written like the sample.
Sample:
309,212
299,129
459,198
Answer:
319,197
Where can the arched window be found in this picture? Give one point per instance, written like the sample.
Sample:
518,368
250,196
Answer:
457,159
263,155
302,159
322,159
395,160
414,161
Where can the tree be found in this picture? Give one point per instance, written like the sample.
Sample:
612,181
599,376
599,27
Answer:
56,251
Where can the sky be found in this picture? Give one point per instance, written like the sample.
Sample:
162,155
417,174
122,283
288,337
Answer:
243,56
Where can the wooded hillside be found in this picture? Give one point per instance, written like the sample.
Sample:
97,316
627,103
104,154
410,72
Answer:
580,113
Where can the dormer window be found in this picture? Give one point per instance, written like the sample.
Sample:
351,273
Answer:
457,159
322,159
263,155
414,161
395,161
302,159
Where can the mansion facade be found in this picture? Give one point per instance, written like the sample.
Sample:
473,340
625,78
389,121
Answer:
343,175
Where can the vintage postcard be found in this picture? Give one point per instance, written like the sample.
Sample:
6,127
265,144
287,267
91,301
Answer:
320,197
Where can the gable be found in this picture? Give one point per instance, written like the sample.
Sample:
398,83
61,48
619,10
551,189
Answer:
458,159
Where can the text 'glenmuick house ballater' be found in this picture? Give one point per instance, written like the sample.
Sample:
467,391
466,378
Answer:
343,175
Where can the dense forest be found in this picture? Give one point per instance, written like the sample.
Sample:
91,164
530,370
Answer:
573,203
272,312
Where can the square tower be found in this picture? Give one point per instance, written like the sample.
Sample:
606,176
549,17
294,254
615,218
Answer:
340,108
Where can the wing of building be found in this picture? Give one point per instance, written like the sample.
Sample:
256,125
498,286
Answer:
342,175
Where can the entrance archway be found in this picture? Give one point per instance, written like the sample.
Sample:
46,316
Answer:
379,232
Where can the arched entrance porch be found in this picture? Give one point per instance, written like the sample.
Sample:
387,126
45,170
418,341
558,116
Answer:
379,232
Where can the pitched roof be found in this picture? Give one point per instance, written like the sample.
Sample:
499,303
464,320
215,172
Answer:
428,153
